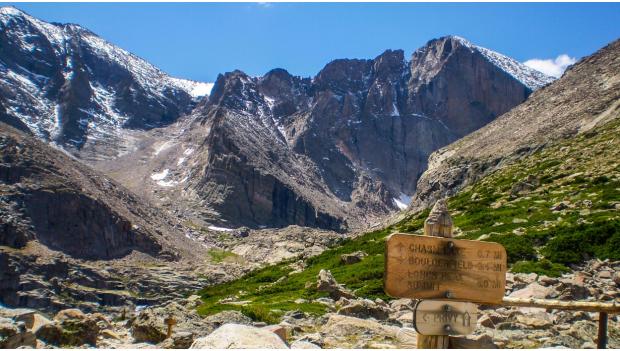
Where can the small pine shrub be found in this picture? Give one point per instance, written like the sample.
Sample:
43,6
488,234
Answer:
541,267
518,248
260,314
573,244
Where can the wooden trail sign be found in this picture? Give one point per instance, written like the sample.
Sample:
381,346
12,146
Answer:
432,317
426,267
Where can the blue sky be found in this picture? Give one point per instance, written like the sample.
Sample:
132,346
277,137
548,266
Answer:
200,40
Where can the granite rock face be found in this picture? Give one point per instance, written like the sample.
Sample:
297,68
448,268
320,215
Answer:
66,206
58,213
585,97
338,151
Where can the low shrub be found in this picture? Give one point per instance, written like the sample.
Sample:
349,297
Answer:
518,248
541,267
573,244
260,314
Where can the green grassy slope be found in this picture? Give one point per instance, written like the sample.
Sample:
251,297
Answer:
511,206
554,208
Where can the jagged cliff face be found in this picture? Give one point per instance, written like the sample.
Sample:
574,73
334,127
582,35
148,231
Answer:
587,95
340,150
52,198
71,87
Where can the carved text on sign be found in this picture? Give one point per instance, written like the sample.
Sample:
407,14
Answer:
432,317
426,267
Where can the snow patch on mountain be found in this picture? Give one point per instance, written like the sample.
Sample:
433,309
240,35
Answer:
195,89
161,175
219,229
403,201
162,147
32,102
530,77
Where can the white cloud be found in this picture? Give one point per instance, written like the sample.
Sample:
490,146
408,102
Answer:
551,67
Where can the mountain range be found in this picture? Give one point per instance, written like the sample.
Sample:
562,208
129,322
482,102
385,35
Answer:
339,151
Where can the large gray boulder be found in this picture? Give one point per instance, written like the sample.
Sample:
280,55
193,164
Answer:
237,336
339,325
533,290
365,308
327,283
301,344
353,257
226,317
148,327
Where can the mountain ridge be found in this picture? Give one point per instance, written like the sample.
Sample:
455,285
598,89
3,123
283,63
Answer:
339,150
77,89
254,135
521,132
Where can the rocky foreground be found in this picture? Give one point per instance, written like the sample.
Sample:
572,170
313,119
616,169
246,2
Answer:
351,322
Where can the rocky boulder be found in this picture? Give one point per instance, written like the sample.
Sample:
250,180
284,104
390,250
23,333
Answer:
365,308
573,289
341,331
237,336
339,325
402,305
180,340
150,325
72,327
301,344
616,278
327,283
227,317
14,334
352,258
532,291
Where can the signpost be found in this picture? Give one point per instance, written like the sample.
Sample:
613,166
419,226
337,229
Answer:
426,267
435,266
170,322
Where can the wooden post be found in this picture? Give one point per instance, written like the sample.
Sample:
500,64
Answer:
438,223
587,306
601,342
170,322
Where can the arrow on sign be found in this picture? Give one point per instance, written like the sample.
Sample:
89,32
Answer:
400,248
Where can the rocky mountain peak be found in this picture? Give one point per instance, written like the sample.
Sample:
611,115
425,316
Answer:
344,76
429,59
390,65
278,83
71,87
579,101
8,13
235,90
